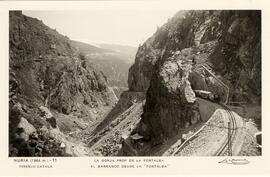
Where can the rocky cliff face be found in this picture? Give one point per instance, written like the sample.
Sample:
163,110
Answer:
46,71
196,50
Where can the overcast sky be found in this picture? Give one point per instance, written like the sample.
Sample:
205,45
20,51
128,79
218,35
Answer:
127,26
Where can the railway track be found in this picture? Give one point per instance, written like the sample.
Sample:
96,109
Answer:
227,145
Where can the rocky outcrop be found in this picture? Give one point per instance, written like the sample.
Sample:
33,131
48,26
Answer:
214,51
170,102
233,51
48,77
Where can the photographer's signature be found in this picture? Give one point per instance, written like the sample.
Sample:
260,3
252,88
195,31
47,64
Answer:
234,161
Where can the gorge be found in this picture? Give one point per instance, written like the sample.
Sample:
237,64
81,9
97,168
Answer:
61,104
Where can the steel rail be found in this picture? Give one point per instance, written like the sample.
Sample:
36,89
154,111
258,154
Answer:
232,131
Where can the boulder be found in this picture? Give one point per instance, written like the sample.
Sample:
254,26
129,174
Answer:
44,129
45,112
62,145
26,129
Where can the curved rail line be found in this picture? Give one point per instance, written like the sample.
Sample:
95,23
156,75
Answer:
232,131
223,148
231,118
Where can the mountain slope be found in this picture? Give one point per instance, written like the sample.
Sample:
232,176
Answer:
89,49
214,51
52,87
113,60
128,52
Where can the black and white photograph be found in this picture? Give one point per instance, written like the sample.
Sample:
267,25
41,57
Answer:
135,83
134,88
